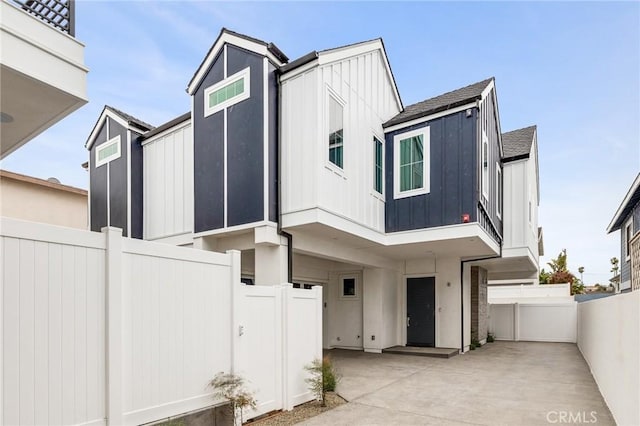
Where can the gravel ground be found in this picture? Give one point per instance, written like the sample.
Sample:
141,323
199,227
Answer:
301,412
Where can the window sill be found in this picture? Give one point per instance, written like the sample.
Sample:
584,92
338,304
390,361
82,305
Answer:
413,193
376,194
336,170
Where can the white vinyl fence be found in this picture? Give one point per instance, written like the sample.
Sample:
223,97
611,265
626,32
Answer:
609,339
100,329
535,322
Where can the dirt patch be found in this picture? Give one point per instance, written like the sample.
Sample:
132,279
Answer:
300,413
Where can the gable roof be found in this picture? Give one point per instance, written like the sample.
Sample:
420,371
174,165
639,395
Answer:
339,53
241,40
123,118
516,144
442,102
628,203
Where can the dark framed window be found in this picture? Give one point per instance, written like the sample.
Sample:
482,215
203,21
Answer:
378,168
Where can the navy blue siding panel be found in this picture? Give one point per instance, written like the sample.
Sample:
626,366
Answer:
208,164
453,177
273,144
137,200
98,186
245,143
491,123
118,180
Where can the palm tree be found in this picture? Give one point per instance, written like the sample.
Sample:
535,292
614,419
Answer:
581,270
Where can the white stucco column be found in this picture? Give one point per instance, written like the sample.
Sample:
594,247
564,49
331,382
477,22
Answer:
271,261
379,309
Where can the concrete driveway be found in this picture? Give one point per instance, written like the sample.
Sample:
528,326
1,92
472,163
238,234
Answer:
515,383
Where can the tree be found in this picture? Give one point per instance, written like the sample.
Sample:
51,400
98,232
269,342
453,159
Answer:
581,271
560,274
544,276
614,268
231,387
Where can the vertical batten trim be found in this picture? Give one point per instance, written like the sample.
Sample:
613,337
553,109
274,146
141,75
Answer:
107,122
128,183
265,131
192,126
225,170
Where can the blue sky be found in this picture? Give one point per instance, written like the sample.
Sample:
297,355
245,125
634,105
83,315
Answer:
571,68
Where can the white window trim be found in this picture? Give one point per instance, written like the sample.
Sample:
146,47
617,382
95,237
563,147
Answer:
327,108
425,132
499,190
627,248
115,140
373,183
357,286
246,74
485,170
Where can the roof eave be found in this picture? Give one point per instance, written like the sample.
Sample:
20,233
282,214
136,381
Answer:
430,112
616,222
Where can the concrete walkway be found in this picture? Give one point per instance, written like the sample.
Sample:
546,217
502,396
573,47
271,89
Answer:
514,383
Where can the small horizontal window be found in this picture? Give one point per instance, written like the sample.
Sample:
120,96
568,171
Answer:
228,92
108,151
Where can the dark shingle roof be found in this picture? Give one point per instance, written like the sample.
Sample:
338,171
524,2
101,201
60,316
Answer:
169,124
443,102
131,119
517,143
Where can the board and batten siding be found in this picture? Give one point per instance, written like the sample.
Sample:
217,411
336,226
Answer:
231,164
168,183
520,188
490,127
309,181
452,168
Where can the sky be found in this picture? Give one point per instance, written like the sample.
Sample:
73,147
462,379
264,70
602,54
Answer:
573,69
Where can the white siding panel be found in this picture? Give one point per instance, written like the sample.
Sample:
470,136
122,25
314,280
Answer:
363,84
168,184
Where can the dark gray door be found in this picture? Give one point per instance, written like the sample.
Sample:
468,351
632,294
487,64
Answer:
421,311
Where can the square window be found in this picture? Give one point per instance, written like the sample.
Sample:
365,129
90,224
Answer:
349,287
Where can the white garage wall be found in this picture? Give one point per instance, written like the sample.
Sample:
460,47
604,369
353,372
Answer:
535,322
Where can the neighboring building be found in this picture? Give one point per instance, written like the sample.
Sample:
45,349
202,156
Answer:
47,201
42,68
319,175
627,220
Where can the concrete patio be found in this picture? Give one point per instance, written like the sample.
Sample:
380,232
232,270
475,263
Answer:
516,383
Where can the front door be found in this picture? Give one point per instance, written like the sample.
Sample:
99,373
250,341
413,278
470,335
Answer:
421,311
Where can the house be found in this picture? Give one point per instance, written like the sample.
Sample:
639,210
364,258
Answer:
42,67
45,201
523,237
627,221
316,171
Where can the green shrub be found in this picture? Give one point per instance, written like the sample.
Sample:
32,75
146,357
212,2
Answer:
323,378
490,338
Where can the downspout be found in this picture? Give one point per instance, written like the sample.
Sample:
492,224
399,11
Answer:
285,234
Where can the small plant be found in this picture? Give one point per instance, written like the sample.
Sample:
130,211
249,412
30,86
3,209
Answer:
323,378
490,338
231,387
475,343
472,346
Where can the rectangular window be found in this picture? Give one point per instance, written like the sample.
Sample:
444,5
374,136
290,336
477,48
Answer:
378,170
485,166
108,151
499,190
628,236
411,163
228,92
349,287
336,131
